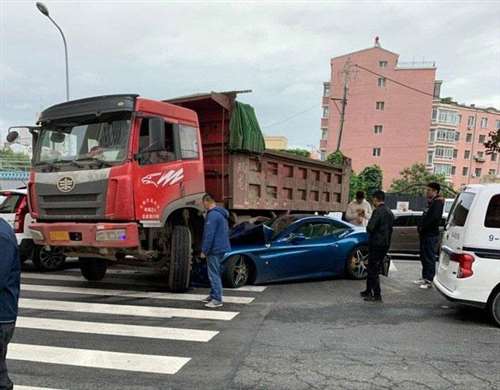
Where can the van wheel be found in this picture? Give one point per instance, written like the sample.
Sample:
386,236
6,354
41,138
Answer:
236,272
179,272
494,307
357,262
93,269
48,259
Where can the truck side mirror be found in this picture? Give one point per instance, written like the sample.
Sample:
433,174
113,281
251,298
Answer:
12,136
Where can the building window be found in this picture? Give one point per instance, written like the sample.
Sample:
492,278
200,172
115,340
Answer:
480,154
492,172
466,154
430,157
434,114
444,153
377,152
381,82
457,136
468,138
382,64
326,90
448,117
493,157
465,171
432,135
377,129
471,121
380,106
497,124
478,172
442,169
322,155
326,111
324,133
446,135
484,123
482,139
455,153
453,170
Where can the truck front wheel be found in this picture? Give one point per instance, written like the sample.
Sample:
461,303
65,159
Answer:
93,269
180,259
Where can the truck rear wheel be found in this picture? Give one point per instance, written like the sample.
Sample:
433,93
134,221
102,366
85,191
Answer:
180,259
93,269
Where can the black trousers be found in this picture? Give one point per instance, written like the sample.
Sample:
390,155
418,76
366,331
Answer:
429,246
375,260
6,333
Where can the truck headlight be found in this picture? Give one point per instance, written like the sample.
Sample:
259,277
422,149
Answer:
36,235
111,235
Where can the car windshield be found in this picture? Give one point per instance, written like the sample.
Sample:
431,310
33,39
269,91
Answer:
104,138
9,203
460,209
278,225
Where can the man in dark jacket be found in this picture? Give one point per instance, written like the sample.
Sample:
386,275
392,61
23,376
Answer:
10,275
429,235
379,240
215,245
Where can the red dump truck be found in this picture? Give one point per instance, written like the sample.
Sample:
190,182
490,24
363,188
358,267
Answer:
120,178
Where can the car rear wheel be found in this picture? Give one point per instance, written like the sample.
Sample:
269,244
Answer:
236,273
494,307
48,259
93,269
357,262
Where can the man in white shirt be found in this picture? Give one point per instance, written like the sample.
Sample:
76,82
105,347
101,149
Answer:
359,210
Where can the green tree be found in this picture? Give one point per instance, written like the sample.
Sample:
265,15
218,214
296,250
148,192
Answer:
10,160
370,180
493,144
336,158
298,152
414,178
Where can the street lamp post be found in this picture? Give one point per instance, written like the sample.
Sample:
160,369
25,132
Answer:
45,11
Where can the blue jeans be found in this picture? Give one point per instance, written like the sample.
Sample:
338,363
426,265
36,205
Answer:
6,332
214,264
429,256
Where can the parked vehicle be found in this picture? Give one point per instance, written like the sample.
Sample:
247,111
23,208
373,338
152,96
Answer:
405,238
120,178
469,265
14,209
296,247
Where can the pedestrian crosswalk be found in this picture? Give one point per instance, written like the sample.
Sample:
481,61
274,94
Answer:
64,308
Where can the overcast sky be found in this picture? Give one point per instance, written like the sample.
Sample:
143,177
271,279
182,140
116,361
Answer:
280,50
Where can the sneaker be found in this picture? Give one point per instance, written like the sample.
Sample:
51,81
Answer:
213,304
207,299
373,298
419,282
364,294
426,285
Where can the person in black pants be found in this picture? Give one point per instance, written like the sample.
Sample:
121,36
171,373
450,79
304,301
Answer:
429,235
10,275
379,235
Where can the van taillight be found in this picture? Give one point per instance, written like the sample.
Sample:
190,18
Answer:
464,261
21,212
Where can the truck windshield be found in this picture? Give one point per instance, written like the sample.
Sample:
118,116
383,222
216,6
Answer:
103,139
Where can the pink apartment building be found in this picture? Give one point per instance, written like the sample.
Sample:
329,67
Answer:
393,111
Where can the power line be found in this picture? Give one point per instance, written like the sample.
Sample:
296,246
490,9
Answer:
394,81
290,117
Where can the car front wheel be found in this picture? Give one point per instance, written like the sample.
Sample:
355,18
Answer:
357,262
48,259
494,307
236,273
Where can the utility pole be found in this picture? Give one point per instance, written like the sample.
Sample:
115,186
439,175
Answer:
346,72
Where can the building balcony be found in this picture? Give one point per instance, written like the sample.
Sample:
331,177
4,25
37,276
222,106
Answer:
323,144
479,159
324,122
325,101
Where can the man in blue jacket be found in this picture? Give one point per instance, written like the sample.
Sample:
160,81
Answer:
215,245
10,275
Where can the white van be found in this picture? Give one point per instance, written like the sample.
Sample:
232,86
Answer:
469,264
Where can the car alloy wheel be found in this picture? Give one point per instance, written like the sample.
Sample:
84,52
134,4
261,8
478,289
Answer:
359,262
240,272
51,259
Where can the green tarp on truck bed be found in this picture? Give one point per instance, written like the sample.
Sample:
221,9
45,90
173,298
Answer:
245,133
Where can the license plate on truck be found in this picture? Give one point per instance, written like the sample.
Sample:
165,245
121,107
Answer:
59,236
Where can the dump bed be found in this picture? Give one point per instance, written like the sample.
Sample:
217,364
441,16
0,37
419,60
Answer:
254,181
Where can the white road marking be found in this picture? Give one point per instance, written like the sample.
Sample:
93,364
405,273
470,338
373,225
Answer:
97,359
141,311
117,271
129,294
248,288
392,267
17,387
152,332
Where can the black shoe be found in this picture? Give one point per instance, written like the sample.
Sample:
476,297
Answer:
365,293
373,298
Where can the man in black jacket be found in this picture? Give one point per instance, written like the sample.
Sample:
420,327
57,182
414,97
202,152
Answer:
429,235
10,275
379,232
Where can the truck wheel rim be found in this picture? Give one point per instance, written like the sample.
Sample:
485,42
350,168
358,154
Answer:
358,261
240,272
51,259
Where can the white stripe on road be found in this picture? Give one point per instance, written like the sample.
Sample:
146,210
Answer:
97,359
152,332
17,387
118,271
125,310
392,267
248,288
129,294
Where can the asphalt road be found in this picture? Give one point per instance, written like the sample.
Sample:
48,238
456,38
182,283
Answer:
310,335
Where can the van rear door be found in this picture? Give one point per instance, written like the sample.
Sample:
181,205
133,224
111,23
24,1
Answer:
453,239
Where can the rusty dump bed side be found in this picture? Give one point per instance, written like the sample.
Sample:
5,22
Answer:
273,181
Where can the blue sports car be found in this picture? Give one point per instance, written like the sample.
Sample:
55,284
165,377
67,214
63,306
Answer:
295,247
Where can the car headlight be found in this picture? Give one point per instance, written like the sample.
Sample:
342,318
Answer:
36,235
111,235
